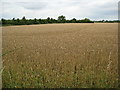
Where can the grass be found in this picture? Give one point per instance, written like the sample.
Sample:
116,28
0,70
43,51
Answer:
60,56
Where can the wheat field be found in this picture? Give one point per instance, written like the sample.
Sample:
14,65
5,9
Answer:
60,56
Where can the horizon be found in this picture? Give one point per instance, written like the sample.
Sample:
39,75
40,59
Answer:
56,19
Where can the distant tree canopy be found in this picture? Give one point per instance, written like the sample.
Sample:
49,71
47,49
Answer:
61,19
107,21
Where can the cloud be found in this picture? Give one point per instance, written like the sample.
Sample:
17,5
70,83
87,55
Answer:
95,9
33,5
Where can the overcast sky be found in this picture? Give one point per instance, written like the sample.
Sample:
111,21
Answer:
79,9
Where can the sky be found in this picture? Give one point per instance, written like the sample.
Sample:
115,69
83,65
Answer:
79,9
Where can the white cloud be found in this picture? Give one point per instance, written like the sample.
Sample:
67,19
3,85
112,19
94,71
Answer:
93,9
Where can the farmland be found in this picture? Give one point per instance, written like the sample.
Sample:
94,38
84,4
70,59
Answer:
60,55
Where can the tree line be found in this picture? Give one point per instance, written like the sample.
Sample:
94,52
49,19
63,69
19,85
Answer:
108,21
60,19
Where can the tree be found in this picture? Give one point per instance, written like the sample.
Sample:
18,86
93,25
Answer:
23,18
18,21
35,21
39,20
86,20
13,21
73,20
48,20
3,21
23,21
61,19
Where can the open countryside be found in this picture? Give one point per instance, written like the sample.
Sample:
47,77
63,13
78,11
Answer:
70,55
